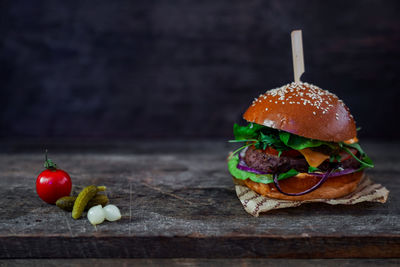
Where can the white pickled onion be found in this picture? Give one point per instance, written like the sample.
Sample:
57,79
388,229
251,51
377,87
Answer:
96,215
112,213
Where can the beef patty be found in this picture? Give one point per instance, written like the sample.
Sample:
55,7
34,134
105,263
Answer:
257,159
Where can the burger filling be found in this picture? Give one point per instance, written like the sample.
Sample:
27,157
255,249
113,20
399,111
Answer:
268,153
265,161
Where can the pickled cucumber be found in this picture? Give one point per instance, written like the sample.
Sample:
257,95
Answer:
97,200
83,198
67,203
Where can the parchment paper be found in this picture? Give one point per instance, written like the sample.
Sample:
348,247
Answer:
254,203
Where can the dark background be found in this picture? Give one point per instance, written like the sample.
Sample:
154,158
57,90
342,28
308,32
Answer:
187,69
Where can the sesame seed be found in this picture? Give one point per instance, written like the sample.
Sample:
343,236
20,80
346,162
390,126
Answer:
313,96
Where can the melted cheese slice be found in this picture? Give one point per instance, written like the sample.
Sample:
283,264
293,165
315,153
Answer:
313,158
351,141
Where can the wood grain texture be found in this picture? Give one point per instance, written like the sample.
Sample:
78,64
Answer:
201,262
178,200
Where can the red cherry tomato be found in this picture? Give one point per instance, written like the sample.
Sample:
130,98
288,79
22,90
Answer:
53,183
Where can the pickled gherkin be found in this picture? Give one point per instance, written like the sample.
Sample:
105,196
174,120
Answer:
83,199
67,203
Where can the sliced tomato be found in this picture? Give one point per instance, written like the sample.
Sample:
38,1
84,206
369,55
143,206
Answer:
345,156
288,153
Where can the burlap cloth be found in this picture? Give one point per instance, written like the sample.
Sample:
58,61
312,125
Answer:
254,203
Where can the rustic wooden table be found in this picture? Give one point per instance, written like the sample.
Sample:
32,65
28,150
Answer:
178,201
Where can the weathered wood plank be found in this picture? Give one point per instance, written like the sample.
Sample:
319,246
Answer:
177,200
195,246
201,262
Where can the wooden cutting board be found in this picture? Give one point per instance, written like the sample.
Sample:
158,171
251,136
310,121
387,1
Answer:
178,200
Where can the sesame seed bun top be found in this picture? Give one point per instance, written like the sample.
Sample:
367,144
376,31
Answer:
303,109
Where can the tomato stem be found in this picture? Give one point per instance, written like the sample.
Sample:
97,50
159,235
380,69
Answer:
48,163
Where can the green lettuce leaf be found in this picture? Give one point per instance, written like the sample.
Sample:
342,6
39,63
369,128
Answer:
365,161
312,169
355,146
269,139
289,173
258,178
298,142
249,131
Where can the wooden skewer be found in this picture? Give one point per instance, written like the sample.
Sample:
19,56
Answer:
297,51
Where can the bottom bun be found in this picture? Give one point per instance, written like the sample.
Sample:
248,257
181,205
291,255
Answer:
333,187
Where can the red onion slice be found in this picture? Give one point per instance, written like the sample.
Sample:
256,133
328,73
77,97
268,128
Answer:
243,166
335,174
248,169
323,179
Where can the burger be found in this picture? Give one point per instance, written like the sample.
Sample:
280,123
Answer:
300,143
